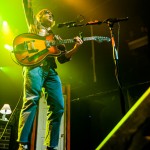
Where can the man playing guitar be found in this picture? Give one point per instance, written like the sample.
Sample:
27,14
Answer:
43,74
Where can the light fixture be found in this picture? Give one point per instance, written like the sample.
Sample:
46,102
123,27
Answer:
5,111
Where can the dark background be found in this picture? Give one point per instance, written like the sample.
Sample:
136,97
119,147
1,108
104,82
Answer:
95,105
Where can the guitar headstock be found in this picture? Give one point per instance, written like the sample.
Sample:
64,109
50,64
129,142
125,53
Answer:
102,39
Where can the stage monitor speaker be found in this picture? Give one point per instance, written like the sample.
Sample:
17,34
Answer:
133,131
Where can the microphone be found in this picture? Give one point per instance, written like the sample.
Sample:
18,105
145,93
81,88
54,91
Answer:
114,20
93,22
59,25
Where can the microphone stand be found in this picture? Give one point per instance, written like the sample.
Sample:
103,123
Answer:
110,22
116,62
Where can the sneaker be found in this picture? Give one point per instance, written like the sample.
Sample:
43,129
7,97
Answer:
51,148
23,147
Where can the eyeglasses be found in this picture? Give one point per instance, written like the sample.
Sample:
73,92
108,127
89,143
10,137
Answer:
48,12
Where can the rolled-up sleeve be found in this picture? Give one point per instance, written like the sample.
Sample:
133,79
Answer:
28,12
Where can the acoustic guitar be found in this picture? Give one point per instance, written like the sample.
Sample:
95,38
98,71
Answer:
30,49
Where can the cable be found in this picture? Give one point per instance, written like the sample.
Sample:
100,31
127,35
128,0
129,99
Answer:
118,37
11,117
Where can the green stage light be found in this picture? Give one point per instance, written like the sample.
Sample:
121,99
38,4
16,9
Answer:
5,27
5,24
8,47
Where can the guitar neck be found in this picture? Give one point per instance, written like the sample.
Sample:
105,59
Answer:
65,41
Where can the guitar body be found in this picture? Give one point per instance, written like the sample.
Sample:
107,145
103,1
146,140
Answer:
31,49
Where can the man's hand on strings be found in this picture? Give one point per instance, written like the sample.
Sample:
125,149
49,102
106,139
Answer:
78,41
